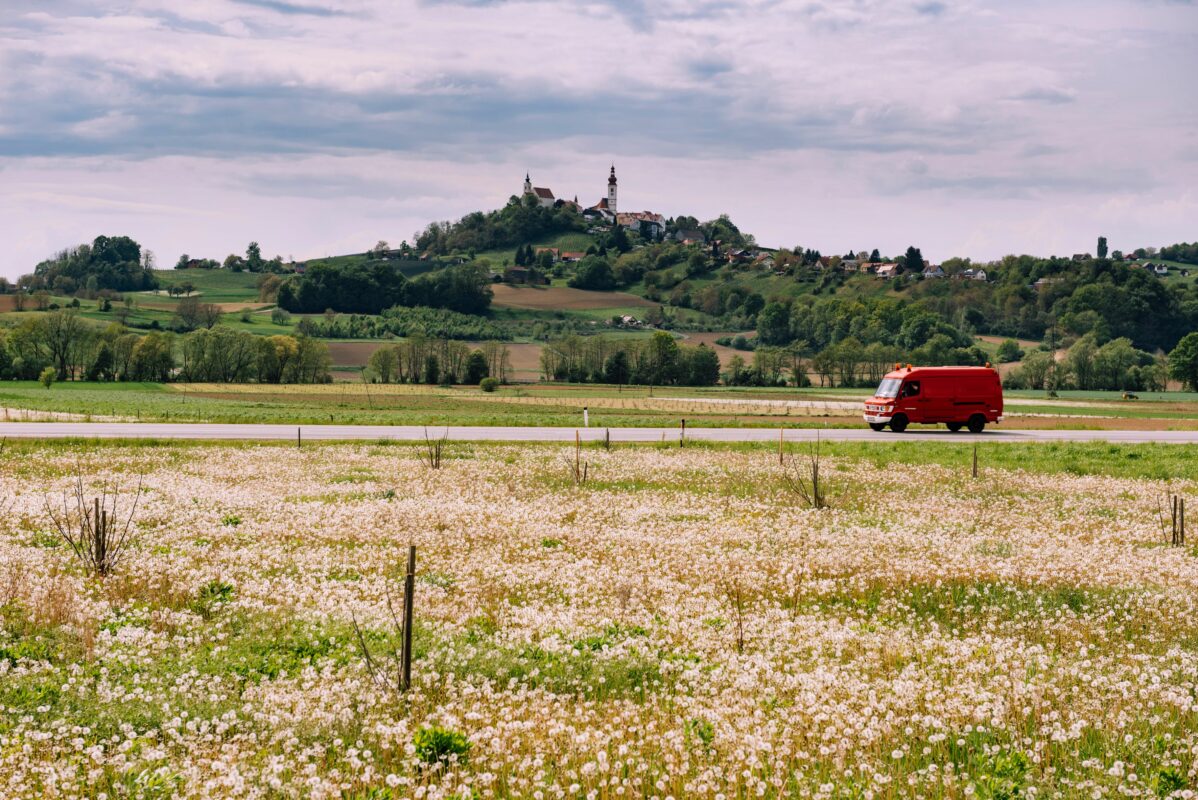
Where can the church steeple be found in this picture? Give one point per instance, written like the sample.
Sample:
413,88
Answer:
611,190
527,184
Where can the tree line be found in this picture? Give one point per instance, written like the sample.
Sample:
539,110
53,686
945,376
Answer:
656,361
70,348
420,359
371,287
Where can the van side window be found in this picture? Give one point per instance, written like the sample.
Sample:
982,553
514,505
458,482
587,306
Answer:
911,389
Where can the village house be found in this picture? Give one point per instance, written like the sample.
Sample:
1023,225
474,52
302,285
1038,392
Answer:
647,222
933,271
689,236
887,271
972,275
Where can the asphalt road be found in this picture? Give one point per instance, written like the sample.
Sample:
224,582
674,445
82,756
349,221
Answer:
217,432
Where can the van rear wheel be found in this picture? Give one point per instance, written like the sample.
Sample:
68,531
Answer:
878,426
954,426
898,423
977,423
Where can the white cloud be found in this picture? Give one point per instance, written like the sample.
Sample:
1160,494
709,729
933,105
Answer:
948,125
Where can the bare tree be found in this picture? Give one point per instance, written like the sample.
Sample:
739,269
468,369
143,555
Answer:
93,530
802,478
434,449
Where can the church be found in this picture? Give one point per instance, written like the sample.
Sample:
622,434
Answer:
605,208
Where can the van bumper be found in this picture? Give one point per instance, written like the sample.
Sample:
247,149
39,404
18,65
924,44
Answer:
877,419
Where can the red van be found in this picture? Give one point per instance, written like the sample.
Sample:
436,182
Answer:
957,396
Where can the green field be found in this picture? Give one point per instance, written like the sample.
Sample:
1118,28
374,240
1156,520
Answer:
534,405
213,285
570,242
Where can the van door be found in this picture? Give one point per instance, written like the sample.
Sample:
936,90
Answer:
937,398
911,400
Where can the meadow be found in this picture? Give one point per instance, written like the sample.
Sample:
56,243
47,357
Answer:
554,404
679,624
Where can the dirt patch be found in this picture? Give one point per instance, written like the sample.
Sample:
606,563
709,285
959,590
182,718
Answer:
228,308
563,298
525,357
9,303
353,354
723,351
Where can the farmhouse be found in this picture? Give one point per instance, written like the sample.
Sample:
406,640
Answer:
887,271
933,271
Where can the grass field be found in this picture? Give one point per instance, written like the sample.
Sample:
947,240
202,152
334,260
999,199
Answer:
680,625
563,298
545,404
212,285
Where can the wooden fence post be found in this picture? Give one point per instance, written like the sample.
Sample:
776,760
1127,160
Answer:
409,587
975,460
298,439
682,435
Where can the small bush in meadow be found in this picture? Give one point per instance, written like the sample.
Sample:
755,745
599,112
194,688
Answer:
488,384
435,744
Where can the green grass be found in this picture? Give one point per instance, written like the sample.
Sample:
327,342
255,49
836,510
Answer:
355,403
1155,461
570,242
213,285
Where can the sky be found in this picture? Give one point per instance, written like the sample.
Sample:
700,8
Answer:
318,127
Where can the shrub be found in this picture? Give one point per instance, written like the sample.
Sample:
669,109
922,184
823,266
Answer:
435,744
47,377
488,384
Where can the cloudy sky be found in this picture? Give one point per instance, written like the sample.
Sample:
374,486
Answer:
318,127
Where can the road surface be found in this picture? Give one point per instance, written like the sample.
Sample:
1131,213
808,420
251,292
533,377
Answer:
231,432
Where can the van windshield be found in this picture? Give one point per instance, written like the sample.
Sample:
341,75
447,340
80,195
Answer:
888,387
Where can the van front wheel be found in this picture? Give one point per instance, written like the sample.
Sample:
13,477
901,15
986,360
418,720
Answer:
898,424
977,423
954,426
878,426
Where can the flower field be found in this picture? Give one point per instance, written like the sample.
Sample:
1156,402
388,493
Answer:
681,625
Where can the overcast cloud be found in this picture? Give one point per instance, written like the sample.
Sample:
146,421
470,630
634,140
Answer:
320,126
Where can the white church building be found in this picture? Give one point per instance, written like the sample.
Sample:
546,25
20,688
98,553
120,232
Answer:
605,208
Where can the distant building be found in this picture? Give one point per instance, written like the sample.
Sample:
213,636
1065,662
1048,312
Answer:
933,271
643,221
886,270
690,236
972,275
544,196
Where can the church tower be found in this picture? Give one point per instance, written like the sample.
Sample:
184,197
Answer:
611,190
527,184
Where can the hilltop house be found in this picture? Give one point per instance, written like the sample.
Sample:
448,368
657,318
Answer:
933,271
689,236
887,271
654,225
978,274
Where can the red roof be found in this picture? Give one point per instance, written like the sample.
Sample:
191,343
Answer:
541,192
